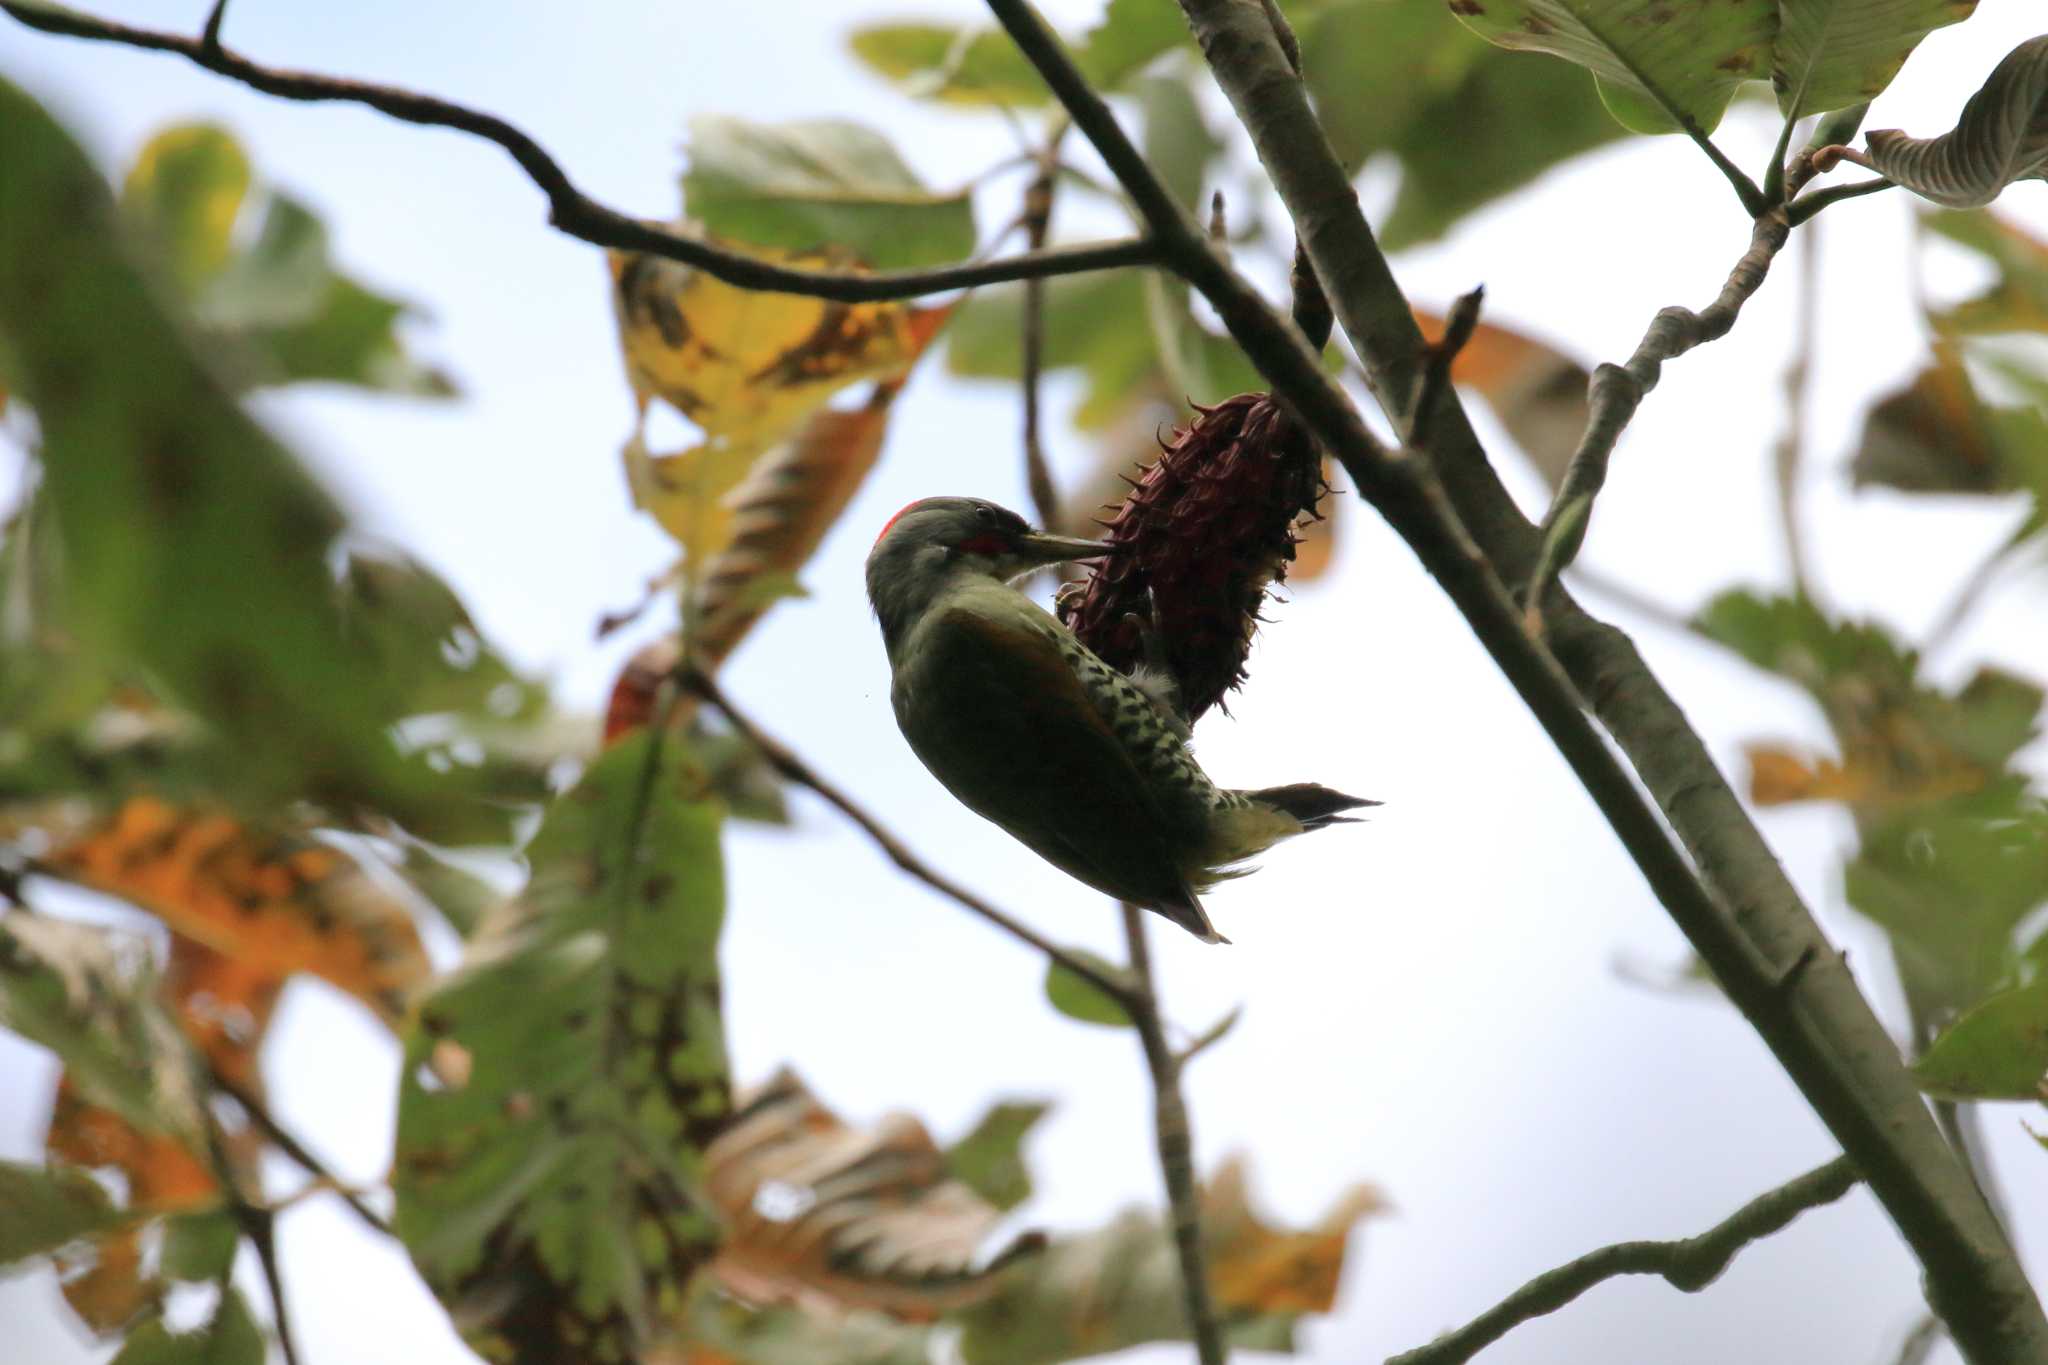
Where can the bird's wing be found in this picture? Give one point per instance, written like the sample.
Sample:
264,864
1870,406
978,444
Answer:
1023,742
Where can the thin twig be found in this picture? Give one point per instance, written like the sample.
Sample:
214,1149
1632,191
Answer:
1176,1146
259,1225
1920,1342
1689,1264
1617,390
1790,451
796,770
1037,219
574,212
1436,367
281,1138
1968,597
209,37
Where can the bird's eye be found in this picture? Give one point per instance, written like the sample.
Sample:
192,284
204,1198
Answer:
986,515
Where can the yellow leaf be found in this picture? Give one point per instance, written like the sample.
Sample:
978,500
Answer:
686,491
746,366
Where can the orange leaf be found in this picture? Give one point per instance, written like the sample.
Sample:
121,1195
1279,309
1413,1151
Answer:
276,904
1537,392
223,1004
825,1216
103,1281
1256,1268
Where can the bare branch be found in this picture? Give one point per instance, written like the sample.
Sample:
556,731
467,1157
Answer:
796,770
569,209
1176,1146
1037,218
1689,1264
281,1138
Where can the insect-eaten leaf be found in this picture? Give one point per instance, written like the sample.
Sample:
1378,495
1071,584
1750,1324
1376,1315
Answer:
273,904
2001,137
821,183
549,1187
831,1218
274,302
1078,998
1659,67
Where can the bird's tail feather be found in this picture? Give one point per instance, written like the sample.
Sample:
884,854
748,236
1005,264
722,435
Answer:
1313,805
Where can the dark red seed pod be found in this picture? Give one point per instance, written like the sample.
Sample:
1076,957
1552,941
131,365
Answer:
1207,530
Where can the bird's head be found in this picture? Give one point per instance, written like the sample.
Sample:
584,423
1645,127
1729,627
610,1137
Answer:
934,540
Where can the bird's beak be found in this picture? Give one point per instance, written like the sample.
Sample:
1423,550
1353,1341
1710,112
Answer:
1038,548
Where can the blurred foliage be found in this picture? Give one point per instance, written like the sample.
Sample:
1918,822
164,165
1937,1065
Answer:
278,747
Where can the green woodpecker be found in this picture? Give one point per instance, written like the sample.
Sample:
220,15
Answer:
1017,718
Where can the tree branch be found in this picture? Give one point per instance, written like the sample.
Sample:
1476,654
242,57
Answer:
1176,1146
1617,390
1690,1264
569,209
796,770
281,1138
1816,1022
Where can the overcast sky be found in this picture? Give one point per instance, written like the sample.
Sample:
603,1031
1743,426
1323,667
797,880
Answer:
1432,1000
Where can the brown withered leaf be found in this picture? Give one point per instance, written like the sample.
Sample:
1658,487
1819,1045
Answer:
827,1217
780,514
277,904
749,366
1932,436
1537,392
1258,1268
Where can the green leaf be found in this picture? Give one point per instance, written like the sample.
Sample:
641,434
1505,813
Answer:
185,191
979,66
1831,54
1178,141
277,307
562,1083
965,66
1997,1051
2001,137
1952,884
821,182
231,1338
1936,435
1660,63
44,1209
1509,119
201,1246
1078,998
195,547
89,995
990,1159
1373,65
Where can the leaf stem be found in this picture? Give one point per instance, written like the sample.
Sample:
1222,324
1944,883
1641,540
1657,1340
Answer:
1689,1264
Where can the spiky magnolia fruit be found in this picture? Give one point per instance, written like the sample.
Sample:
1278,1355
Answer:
1203,535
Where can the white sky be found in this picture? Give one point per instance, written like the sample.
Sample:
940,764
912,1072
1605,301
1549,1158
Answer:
1447,1025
